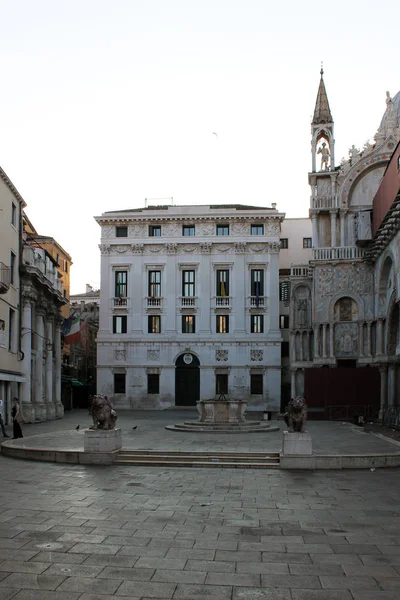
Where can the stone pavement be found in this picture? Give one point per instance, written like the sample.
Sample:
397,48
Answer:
329,437
94,533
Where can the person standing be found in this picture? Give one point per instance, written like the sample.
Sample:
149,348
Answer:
16,415
2,418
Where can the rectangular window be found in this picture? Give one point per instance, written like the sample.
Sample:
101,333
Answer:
153,383
222,323
65,266
257,230
188,230
12,267
257,282
307,242
256,383
121,284
188,324
188,283
13,214
120,324
155,230
155,284
121,231
284,321
284,243
221,384
119,383
222,282
222,229
154,324
65,293
257,323
284,349
58,259
284,291
11,329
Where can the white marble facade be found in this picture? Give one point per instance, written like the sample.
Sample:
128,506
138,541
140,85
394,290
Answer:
168,269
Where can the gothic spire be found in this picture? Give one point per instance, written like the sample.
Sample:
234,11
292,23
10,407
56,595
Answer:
322,112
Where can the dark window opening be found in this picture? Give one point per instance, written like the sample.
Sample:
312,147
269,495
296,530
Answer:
188,324
222,229
222,324
284,349
284,243
154,230
121,284
256,383
307,242
153,383
257,282
119,383
120,324
121,231
221,384
154,324
188,283
155,284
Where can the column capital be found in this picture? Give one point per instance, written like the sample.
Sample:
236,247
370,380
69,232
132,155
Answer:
333,211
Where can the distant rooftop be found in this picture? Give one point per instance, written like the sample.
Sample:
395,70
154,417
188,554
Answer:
211,206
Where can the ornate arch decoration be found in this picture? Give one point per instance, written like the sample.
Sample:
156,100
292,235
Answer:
358,171
321,133
357,299
181,354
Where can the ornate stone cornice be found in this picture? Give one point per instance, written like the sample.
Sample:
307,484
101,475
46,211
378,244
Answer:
145,219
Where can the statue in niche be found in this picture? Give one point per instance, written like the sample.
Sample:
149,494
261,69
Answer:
325,154
302,312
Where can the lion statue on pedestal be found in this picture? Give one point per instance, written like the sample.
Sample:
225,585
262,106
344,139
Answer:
296,415
103,414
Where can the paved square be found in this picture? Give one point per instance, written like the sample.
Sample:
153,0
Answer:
96,533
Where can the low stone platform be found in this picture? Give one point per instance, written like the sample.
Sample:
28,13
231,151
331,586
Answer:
223,427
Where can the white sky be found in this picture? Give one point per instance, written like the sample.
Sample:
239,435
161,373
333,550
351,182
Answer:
106,102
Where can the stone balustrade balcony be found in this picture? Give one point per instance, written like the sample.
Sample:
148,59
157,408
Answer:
324,202
299,271
339,253
120,302
154,302
223,301
187,301
259,302
37,258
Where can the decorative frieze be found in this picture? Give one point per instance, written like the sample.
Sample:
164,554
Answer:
153,355
256,355
120,355
221,355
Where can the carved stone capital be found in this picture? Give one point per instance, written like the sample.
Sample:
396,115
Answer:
137,248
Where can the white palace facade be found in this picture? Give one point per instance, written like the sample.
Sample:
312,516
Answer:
189,306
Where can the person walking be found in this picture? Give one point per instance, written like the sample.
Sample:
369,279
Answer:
2,419
16,415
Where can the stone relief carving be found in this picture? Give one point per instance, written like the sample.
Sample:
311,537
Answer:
121,249
273,247
186,248
108,231
346,339
222,248
153,355
172,229
207,229
171,248
137,248
155,249
240,247
332,280
120,354
257,248
271,228
324,187
240,228
221,355
138,230
256,355
205,247
105,248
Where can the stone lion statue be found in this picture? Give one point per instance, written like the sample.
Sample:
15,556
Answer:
296,414
103,414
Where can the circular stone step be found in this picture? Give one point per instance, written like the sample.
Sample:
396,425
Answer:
246,427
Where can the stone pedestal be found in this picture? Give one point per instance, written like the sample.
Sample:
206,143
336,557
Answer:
296,444
222,411
102,440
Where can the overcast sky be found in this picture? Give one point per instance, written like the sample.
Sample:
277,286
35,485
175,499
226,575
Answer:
104,103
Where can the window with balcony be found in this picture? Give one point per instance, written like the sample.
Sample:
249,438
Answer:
221,384
188,230
188,324
256,384
153,383
155,284
13,214
284,321
222,324
257,230
257,323
120,323
119,383
307,242
188,283
222,287
11,330
257,286
121,284
121,231
284,243
12,267
154,324
222,229
155,230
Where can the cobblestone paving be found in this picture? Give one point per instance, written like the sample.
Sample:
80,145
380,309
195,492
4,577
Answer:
96,533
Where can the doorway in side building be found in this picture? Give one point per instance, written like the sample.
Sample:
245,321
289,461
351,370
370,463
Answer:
187,380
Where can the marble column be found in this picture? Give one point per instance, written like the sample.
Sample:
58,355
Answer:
383,399
315,240
331,342
301,353
59,408
50,408
369,353
40,408
316,341
308,357
342,228
26,347
292,346
292,383
324,340
379,337
392,385
333,228
361,338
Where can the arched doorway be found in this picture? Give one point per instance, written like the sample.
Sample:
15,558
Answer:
187,380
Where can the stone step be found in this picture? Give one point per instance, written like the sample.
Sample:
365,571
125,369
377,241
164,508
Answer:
227,428
197,463
199,453
183,458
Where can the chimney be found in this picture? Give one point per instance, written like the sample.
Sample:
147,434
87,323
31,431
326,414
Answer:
88,288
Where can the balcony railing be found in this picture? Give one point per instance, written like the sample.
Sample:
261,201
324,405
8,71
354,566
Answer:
299,271
187,301
120,302
154,302
340,253
223,301
5,278
36,257
257,301
325,202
